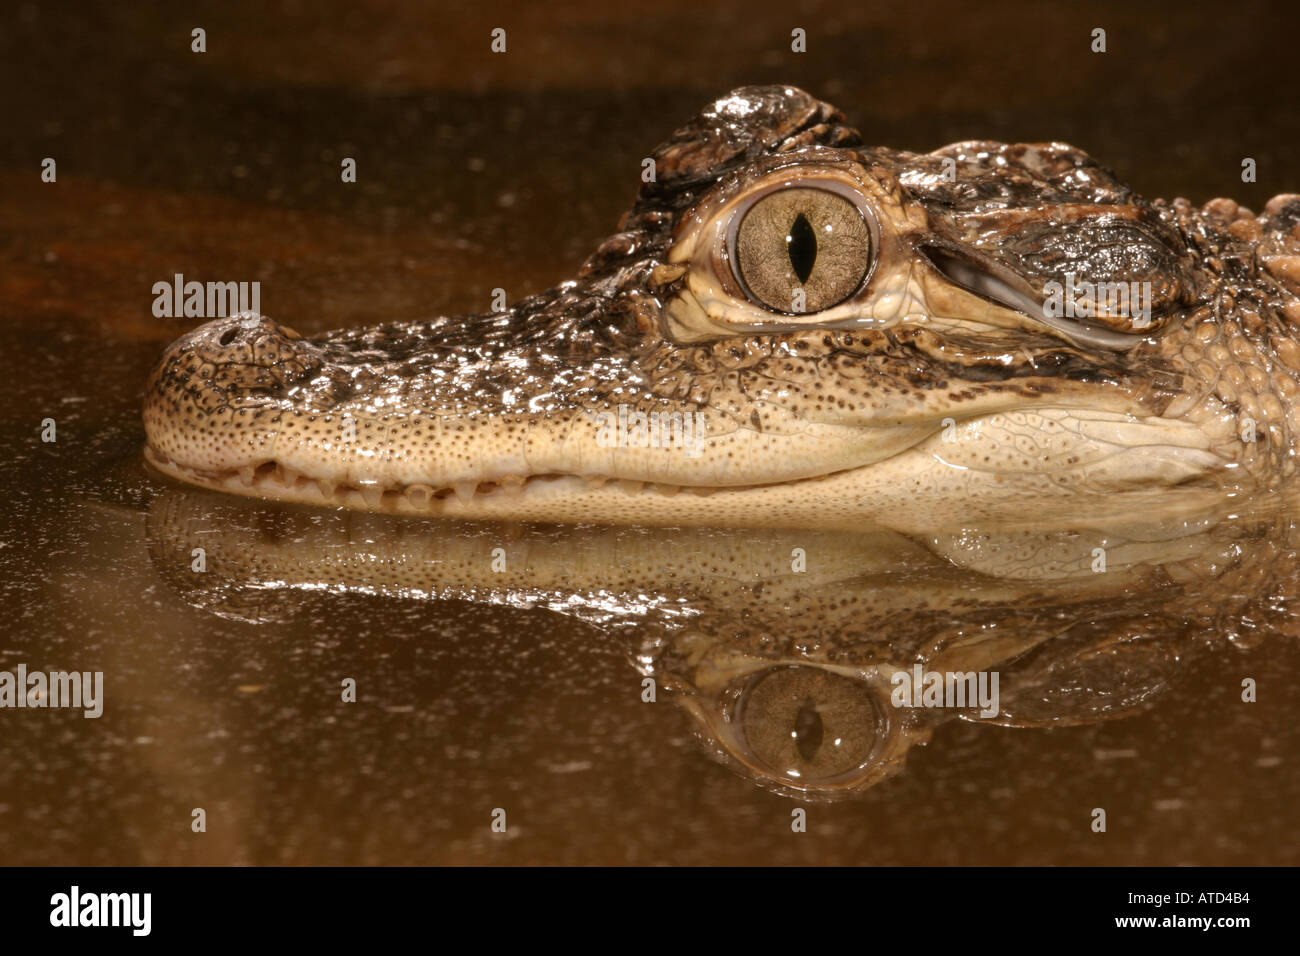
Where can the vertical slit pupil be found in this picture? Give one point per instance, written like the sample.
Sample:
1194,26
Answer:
808,731
801,243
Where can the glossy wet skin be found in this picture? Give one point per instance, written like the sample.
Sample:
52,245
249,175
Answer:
912,377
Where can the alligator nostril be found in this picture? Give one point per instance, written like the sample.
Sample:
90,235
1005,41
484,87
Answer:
227,336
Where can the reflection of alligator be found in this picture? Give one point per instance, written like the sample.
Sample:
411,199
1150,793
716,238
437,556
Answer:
788,673
819,309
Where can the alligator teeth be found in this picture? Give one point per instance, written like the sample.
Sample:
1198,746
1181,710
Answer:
326,487
662,274
286,475
595,481
419,495
513,484
246,476
465,490
631,487
372,493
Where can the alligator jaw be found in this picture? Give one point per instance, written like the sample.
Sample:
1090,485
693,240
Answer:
1099,466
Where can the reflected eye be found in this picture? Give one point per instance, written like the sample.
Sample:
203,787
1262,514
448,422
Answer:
801,250
808,724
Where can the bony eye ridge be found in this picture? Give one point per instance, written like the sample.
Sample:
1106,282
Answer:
801,249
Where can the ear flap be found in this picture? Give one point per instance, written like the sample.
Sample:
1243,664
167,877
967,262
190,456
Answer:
1044,211
742,126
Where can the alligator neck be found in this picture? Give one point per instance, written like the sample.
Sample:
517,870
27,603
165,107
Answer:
1238,352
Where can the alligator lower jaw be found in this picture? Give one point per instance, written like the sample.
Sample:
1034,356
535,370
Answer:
905,493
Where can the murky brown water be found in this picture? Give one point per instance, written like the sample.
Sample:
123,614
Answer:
523,689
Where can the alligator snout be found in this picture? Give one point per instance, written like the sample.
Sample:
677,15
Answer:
214,396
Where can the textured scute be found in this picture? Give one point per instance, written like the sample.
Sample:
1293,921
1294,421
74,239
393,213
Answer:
743,126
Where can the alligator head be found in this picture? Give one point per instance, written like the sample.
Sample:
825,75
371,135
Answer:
792,327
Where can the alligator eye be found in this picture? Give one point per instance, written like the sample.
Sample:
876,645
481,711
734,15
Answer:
801,250
808,724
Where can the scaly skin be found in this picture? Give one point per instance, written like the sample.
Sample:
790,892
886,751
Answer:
927,397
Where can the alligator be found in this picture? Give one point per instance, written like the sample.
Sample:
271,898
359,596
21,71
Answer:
792,327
